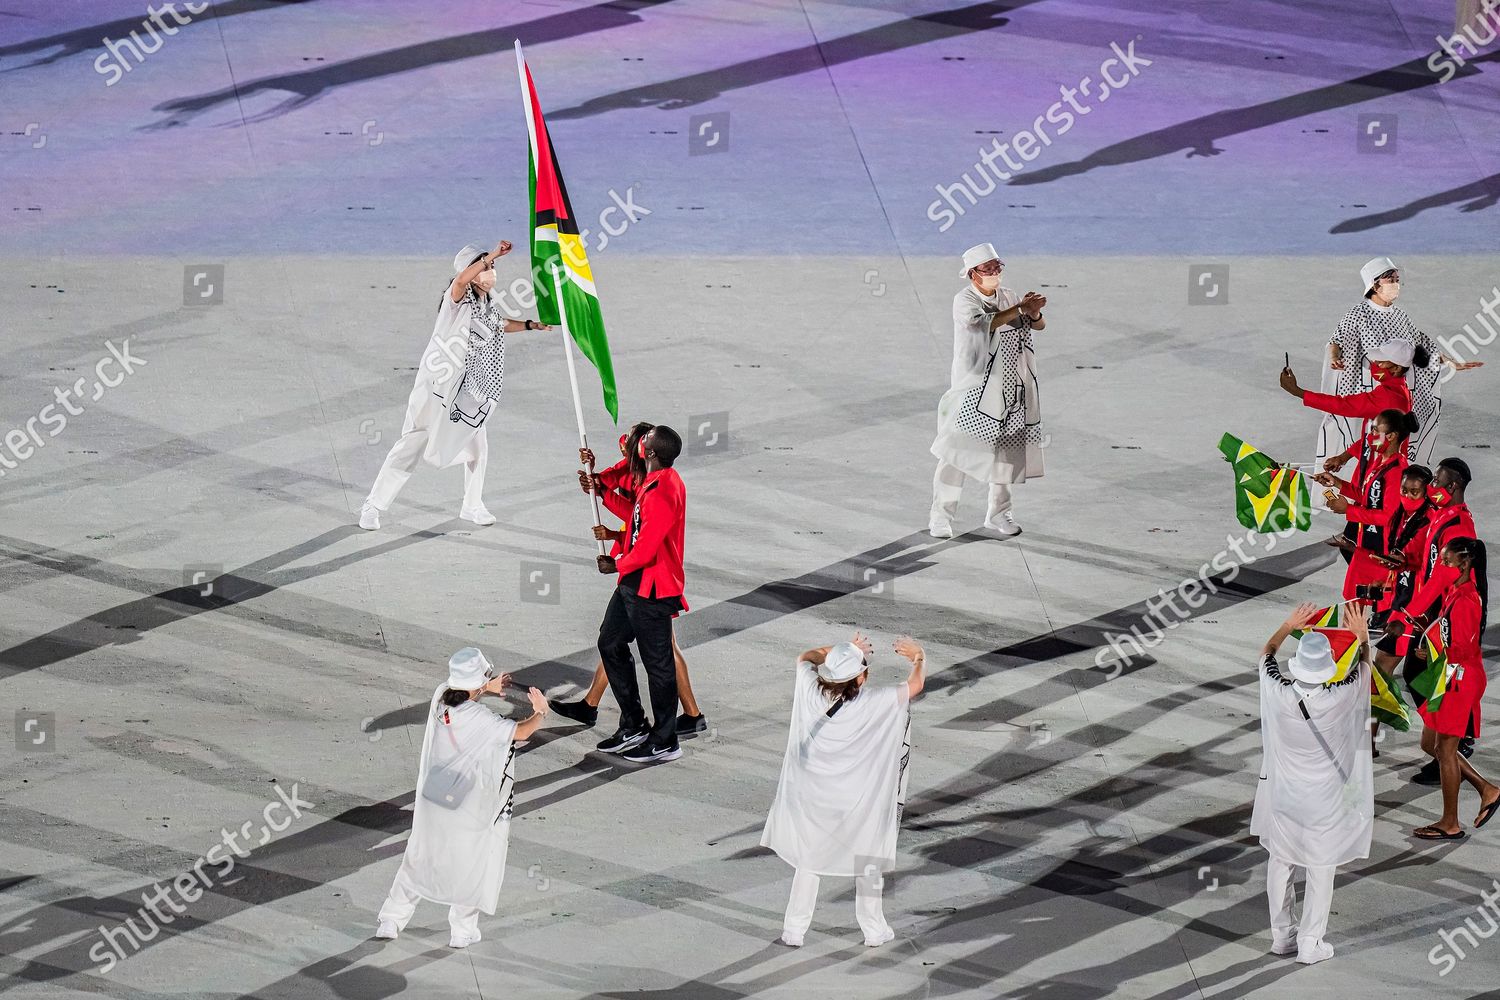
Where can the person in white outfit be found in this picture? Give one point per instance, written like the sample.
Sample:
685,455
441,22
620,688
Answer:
466,781
843,781
1315,803
990,419
456,389
1377,321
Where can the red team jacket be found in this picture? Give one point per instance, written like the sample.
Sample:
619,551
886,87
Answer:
1373,505
1434,579
1390,393
654,534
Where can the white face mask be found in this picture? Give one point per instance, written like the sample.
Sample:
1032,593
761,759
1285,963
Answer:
486,280
1392,292
989,282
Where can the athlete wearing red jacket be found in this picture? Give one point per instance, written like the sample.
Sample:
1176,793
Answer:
1450,519
1388,365
1376,496
1456,625
647,596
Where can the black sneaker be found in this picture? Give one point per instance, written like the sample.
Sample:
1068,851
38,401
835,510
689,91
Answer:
1428,774
624,739
648,754
1466,747
578,711
691,725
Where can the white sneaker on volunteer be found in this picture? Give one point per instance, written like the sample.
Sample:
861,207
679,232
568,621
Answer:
1006,525
478,515
369,516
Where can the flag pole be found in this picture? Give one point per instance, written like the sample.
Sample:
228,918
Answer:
567,339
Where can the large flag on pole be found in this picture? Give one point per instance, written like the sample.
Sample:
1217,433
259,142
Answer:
557,246
1267,496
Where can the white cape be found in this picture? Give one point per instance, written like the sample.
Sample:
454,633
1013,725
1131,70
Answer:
457,856
438,393
1315,803
838,804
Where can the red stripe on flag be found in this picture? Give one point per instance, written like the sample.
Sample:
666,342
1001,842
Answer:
548,192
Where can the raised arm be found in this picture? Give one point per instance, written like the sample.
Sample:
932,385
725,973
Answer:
1302,615
461,283
527,728
917,679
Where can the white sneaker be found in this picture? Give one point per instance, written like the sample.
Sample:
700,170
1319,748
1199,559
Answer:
790,940
940,529
1313,952
886,937
478,515
462,941
1287,947
369,516
387,930
1006,525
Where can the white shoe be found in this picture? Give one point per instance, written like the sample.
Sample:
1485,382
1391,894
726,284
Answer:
1006,525
886,937
940,529
387,930
790,940
369,516
462,941
1313,952
1287,947
478,515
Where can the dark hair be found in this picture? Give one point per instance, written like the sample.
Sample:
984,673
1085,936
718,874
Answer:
668,445
1420,473
637,464
1403,423
839,692
1473,548
1459,468
453,697
1421,357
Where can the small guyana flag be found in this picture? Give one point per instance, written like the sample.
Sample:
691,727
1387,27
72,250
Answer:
1267,496
1327,618
556,244
1387,706
1431,684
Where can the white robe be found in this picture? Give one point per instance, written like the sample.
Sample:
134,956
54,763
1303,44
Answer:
843,780
990,419
1315,802
1364,328
457,856
439,391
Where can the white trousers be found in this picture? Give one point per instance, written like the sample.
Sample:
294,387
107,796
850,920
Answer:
948,485
463,921
1281,893
804,899
404,457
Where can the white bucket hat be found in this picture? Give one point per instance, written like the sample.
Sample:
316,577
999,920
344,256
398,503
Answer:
467,256
844,662
976,255
1313,662
1396,351
1375,269
468,669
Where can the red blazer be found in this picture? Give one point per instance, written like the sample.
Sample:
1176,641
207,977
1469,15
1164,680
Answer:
1376,499
1390,393
654,536
1459,620
617,495
1434,578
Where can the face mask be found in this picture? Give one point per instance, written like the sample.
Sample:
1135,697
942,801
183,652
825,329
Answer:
1390,291
1411,504
1438,496
1377,373
989,282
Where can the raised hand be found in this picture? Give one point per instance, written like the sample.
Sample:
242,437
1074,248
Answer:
1303,614
1357,621
502,248
538,701
908,647
863,644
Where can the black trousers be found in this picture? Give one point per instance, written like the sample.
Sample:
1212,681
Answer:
646,621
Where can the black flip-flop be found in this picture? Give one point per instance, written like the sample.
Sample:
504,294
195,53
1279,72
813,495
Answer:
1487,812
1433,833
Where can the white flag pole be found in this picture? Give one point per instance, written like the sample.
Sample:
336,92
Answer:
567,339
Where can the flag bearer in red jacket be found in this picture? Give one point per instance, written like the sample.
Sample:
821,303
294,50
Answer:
648,595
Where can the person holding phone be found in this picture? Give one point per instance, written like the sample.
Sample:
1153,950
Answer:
466,786
1370,503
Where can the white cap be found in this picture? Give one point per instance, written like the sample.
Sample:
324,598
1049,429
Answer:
844,662
468,669
976,255
467,256
1313,662
1397,351
1375,269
